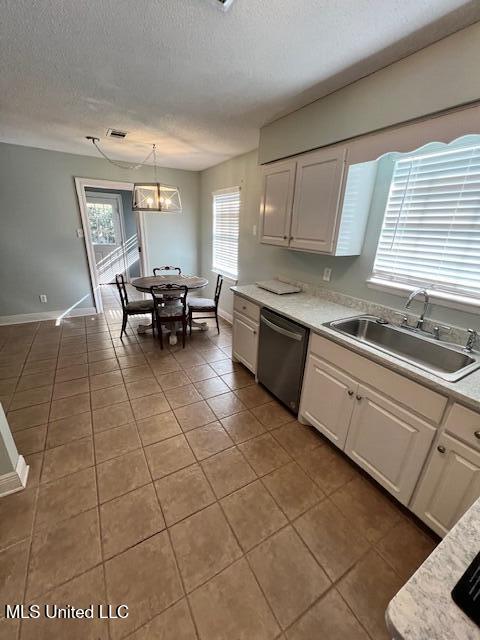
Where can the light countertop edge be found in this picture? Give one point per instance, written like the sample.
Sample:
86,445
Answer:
313,311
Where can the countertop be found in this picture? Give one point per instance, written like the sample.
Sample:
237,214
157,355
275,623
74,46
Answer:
313,311
423,609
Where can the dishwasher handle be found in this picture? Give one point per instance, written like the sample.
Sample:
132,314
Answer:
284,332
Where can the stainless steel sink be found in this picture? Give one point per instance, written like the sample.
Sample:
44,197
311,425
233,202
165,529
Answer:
449,362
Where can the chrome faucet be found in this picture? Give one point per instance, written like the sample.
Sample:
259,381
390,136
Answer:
471,340
412,297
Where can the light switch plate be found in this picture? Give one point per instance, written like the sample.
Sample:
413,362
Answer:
80,233
327,274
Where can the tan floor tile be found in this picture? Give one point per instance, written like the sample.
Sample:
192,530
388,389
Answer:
141,388
66,497
112,416
153,593
7,387
173,380
102,354
149,406
211,387
129,519
66,459
297,438
253,514
367,589
158,427
231,605
173,624
264,454
208,440
83,591
292,489
183,493
165,364
105,380
188,358
405,548
69,429
238,379
253,396
29,417
35,462
22,399
169,456
226,405
134,374
228,471
332,538
200,372
367,508
204,545
108,397
62,552
34,380
9,629
194,415
329,468
39,366
70,406
330,618
120,475
30,440
288,574
116,442
71,373
103,366
70,388
221,367
13,571
71,360
272,415
212,354
242,426
131,361
181,396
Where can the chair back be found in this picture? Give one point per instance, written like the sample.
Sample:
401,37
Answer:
158,270
165,295
122,289
218,289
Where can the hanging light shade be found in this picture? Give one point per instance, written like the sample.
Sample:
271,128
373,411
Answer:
153,196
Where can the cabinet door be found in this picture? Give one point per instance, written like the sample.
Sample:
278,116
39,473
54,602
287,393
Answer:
245,341
318,187
391,444
328,398
451,484
276,203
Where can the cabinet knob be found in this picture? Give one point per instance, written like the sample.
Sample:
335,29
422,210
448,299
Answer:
285,237
477,434
359,397
350,392
441,448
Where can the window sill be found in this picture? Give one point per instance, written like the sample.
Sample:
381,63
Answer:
441,298
225,275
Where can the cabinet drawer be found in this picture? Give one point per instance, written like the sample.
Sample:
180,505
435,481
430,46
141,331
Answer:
247,308
414,396
464,424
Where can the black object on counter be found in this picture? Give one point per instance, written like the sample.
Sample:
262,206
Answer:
466,593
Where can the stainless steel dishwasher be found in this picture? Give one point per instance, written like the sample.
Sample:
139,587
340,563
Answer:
281,357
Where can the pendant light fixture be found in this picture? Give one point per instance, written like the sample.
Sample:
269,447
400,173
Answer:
154,196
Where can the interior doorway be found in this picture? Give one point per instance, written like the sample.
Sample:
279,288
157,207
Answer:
114,233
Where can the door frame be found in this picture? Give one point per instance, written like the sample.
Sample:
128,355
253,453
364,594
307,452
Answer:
84,183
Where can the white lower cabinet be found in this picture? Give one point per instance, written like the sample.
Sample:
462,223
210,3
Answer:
450,485
323,381
390,443
245,341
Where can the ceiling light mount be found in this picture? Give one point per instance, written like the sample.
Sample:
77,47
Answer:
223,5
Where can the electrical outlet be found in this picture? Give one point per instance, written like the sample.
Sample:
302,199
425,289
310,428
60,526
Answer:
254,231
43,297
80,233
327,274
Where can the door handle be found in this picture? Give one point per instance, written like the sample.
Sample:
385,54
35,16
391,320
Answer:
284,332
359,397
350,392
477,434
441,448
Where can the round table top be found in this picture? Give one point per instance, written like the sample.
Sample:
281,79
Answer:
191,282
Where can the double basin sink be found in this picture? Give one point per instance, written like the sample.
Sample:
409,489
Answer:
447,361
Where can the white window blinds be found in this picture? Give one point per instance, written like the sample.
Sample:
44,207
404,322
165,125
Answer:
226,219
431,230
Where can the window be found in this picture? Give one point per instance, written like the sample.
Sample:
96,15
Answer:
100,217
226,214
431,230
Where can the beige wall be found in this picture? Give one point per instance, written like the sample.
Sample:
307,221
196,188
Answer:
436,78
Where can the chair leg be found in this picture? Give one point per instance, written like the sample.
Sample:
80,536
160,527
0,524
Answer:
153,323
190,314
124,325
160,332
216,320
184,331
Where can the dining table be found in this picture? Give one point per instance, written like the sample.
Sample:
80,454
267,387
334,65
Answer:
145,283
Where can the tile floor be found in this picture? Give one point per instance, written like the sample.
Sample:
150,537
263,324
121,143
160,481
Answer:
170,482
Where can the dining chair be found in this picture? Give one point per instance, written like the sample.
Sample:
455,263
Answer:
205,305
131,308
168,308
167,268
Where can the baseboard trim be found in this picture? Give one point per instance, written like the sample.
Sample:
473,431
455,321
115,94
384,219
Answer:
15,480
225,315
46,315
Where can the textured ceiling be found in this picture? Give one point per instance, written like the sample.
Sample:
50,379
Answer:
197,81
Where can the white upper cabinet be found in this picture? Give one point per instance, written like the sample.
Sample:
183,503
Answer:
276,203
317,200
317,203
